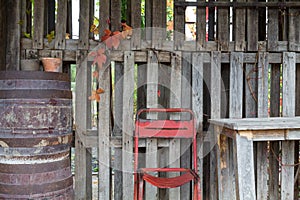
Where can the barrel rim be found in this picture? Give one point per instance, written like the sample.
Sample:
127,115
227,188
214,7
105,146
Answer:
35,93
34,75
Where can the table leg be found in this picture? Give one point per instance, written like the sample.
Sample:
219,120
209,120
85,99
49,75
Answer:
245,168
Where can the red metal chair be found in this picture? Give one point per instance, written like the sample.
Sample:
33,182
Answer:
166,128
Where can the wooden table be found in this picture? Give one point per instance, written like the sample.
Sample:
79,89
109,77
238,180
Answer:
243,133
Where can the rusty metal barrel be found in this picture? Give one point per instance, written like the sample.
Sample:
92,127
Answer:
35,135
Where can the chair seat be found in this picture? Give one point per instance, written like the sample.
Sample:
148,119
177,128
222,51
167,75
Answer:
172,182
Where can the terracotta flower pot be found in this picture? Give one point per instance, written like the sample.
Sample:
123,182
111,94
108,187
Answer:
51,64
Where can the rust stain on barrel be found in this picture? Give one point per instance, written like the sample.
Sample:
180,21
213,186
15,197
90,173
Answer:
35,135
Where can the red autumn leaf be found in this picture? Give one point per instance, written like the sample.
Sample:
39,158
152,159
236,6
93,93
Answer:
100,57
95,74
99,91
112,41
94,96
127,30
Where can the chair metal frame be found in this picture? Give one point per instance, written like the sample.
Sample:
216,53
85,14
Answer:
166,128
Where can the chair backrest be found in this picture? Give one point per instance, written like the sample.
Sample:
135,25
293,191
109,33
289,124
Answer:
165,128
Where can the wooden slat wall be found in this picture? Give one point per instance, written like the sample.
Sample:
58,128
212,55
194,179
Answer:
248,93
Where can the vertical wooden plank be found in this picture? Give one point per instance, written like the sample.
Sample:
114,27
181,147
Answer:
61,25
297,144
104,116
175,102
83,158
117,130
104,15
197,106
13,35
240,28
3,35
252,27
201,27
263,90
245,161
148,19
250,90
235,111
84,24
179,25
115,15
23,21
135,23
288,110
236,86
262,147
223,28
158,23
274,146
38,23
273,28
288,84
186,102
128,125
215,94
294,29
151,144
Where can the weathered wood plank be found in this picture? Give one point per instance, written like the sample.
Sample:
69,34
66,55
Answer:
158,23
12,36
240,28
179,21
236,86
263,75
151,144
197,107
186,102
294,29
136,24
288,110
223,28
250,90
273,28
252,27
84,24
83,166
117,129
235,111
274,146
287,170
61,25
104,15
115,16
175,102
215,91
289,82
127,153
104,116
262,107
201,27
3,26
38,22
245,163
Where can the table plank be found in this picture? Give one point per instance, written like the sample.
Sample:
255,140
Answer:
272,123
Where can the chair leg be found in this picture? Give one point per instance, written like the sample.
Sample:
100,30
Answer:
141,189
136,187
197,191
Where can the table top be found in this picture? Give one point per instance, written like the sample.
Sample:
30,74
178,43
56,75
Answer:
244,124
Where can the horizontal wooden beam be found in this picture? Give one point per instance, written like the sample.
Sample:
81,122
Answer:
280,5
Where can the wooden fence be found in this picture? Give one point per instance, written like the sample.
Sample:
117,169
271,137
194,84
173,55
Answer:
244,61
